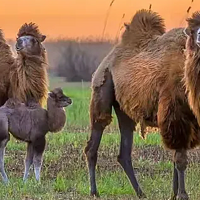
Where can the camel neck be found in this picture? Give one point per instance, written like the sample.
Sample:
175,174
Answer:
56,116
29,79
27,62
192,80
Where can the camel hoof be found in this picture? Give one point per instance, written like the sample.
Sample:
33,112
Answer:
6,182
95,194
142,196
183,196
173,198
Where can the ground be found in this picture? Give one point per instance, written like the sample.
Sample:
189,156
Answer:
64,172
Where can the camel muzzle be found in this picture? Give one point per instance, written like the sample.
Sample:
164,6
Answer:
198,37
19,45
198,41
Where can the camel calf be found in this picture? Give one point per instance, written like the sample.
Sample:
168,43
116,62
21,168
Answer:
30,123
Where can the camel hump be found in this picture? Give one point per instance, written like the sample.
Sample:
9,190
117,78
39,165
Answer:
194,20
148,21
144,25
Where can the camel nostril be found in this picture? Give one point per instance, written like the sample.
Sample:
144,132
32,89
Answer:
69,101
19,44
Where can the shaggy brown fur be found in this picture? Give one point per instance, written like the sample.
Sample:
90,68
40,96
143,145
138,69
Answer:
30,124
28,76
147,69
143,25
30,29
192,65
6,61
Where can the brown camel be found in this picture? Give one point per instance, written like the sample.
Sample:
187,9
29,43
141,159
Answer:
192,63
24,77
30,123
28,76
142,79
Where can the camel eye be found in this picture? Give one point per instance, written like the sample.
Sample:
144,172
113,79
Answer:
33,40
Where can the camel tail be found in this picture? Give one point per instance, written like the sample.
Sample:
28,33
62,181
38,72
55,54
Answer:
145,24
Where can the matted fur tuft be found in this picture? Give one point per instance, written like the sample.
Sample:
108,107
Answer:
30,29
192,66
194,20
144,25
2,39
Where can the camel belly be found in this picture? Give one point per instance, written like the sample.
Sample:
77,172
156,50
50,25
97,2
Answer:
20,127
29,125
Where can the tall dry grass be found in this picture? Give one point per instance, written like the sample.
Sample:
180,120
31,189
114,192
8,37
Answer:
106,18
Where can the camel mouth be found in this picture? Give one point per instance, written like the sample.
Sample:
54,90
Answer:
18,48
66,102
198,41
69,101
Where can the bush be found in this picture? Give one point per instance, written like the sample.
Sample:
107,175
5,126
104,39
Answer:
76,60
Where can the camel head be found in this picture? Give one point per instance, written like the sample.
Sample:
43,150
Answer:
29,40
59,99
193,32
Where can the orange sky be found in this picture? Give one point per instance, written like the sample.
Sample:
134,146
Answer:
82,18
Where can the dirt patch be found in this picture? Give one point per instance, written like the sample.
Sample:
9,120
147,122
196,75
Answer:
73,159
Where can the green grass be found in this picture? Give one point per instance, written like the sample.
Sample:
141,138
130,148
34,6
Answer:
64,173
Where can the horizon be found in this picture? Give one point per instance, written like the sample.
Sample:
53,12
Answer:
78,19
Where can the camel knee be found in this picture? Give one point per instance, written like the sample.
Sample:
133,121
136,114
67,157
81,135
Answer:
91,150
180,159
91,156
123,160
37,160
4,140
93,143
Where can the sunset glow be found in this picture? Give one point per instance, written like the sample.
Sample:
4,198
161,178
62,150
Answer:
83,18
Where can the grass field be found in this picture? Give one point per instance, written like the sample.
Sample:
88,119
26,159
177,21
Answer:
64,172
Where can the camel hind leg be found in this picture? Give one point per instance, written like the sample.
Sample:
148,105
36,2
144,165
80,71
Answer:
127,126
28,160
38,149
2,152
4,138
175,182
100,114
173,122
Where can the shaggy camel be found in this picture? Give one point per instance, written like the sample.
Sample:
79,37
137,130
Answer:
142,78
30,123
192,63
28,77
24,77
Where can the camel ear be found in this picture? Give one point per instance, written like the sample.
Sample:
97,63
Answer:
43,38
127,26
187,32
51,94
